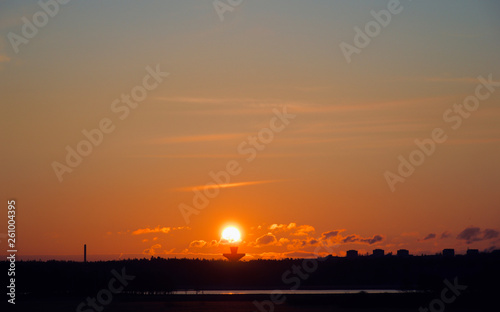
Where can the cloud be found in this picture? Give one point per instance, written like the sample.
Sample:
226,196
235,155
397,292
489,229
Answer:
283,227
374,239
197,138
158,229
210,100
222,106
297,237
148,230
184,156
301,230
467,80
354,238
151,251
282,241
266,240
269,239
335,237
430,236
445,234
226,185
198,243
213,243
474,234
489,234
304,230
330,234
302,243
283,234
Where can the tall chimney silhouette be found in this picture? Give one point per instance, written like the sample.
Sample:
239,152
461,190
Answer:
85,253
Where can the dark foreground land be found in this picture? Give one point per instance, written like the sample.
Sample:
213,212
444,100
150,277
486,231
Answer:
293,303
460,283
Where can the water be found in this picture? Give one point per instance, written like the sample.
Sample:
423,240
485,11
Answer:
280,291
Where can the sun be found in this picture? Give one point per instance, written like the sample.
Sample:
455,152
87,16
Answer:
231,234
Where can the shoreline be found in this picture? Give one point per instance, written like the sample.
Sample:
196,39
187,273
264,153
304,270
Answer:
236,303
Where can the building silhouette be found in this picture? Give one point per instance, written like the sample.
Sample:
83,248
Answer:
449,253
403,253
378,252
472,252
351,254
234,255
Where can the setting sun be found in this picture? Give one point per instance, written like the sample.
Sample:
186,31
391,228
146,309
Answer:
231,234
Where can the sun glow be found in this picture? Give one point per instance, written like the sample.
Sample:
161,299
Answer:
231,234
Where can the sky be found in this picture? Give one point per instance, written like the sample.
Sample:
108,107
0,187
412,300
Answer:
318,126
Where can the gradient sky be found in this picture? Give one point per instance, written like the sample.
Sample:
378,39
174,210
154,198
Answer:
320,179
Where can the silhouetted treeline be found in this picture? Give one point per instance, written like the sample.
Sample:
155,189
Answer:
479,273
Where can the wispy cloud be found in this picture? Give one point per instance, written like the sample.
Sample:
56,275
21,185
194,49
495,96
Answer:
438,79
198,243
226,185
158,229
212,100
473,141
197,138
467,80
153,250
224,156
312,108
430,236
213,106
445,234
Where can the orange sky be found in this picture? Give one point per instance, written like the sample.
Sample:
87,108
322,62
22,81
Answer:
263,104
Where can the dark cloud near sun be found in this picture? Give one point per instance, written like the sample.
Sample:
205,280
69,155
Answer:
159,229
445,234
292,228
475,234
198,243
430,236
358,239
266,239
292,237
330,234
335,237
